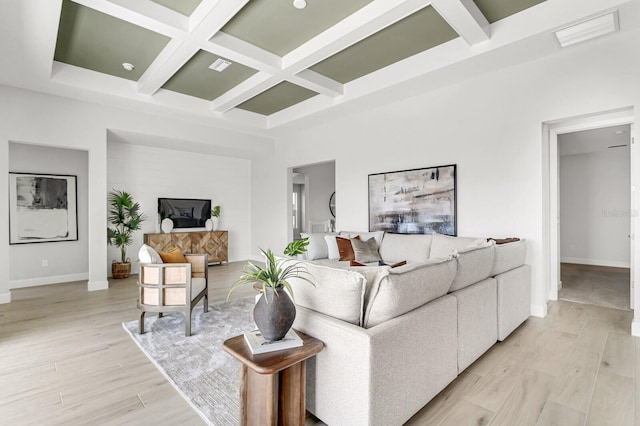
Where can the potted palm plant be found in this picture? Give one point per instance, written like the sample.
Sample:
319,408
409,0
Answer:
125,218
275,311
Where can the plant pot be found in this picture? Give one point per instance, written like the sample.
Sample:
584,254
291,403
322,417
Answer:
208,224
167,225
274,314
120,270
216,223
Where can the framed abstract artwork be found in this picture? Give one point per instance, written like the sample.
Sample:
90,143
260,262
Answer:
418,201
42,208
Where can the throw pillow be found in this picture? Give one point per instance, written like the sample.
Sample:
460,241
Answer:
365,251
332,247
147,254
345,248
173,256
317,248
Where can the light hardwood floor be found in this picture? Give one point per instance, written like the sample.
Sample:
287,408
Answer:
596,285
65,359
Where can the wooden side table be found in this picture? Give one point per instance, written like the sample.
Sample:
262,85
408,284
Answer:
272,385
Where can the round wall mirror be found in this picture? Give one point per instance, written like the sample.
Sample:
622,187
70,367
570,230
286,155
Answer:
332,204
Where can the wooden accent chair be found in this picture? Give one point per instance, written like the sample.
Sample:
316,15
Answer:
173,287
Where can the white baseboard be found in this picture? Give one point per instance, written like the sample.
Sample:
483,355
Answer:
97,285
33,282
5,298
539,311
596,262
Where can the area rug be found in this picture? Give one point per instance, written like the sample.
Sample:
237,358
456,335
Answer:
204,374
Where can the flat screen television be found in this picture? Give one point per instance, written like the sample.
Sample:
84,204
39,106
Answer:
185,212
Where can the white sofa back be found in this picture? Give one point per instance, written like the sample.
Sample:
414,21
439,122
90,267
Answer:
399,247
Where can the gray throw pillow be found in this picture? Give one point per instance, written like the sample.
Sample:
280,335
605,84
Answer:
365,251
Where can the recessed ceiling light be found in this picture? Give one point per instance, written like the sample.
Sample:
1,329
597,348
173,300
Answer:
587,30
299,4
219,65
127,66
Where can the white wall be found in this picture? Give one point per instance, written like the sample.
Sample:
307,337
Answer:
150,173
47,120
321,184
491,127
595,208
67,260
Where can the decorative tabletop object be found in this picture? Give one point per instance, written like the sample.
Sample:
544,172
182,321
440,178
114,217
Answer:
275,311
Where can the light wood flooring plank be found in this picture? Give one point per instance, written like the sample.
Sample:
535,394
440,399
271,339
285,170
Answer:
619,354
613,401
575,387
526,400
466,413
554,414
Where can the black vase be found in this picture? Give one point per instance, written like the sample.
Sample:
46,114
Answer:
274,314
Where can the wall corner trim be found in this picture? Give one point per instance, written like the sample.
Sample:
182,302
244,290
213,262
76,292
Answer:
97,285
5,298
635,327
539,311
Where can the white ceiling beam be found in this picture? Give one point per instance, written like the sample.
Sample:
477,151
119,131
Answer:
244,91
465,18
201,12
175,55
370,19
318,83
143,13
245,53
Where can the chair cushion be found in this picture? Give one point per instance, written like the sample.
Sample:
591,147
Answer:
364,236
412,248
173,256
332,247
147,254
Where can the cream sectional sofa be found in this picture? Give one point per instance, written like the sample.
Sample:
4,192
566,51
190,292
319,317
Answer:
395,337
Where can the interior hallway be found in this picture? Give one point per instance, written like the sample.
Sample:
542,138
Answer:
596,285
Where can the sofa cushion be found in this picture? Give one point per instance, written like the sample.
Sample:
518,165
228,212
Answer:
509,256
412,248
147,254
444,246
474,265
364,236
365,251
173,256
397,291
317,248
338,293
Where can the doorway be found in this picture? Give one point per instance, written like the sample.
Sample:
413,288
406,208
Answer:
595,216
551,201
310,193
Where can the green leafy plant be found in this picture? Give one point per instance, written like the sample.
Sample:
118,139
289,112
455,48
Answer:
125,216
275,274
297,247
215,211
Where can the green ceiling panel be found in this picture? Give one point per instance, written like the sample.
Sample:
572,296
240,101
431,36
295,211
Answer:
99,42
185,7
277,98
414,34
495,10
195,78
278,27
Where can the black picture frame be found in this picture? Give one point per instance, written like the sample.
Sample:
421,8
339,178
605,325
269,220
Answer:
415,201
43,208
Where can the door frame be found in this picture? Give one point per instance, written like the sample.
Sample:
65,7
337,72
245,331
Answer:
551,200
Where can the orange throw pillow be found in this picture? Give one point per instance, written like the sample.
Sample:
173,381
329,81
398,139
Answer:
173,256
345,248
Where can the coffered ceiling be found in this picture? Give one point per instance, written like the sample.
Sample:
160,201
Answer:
284,63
